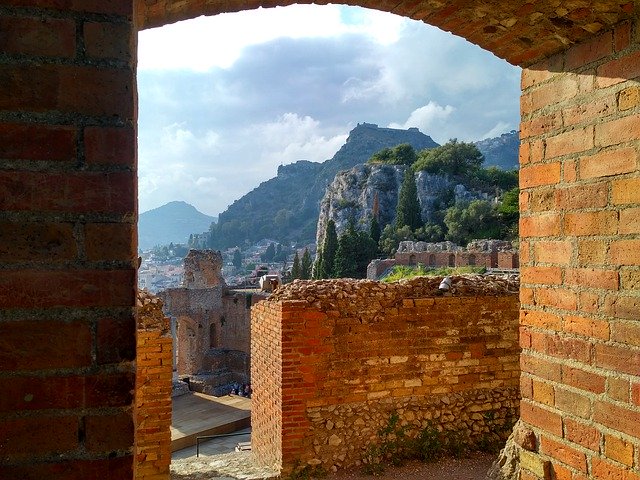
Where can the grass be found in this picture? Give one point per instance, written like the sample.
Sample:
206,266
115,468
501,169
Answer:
401,272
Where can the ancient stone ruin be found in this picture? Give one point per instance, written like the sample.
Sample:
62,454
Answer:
211,326
497,254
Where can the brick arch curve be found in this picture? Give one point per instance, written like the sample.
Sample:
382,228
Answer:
520,31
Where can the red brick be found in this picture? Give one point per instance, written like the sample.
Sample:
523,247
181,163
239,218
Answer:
618,389
541,367
589,51
588,327
108,40
106,433
625,252
588,302
585,112
557,251
564,453
629,221
106,468
622,36
558,91
110,146
613,162
569,171
569,348
584,435
592,278
603,470
540,125
622,306
81,288
558,298
50,37
29,393
571,142
625,190
544,275
540,225
619,70
68,89
592,252
602,222
628,98
619,359
21,241
37,142
536,318
617,131
50,344
115,7
573,403
619,450
543,393
87,192
582,196
28,437
582,379
547,420
626,332
110,241
540,174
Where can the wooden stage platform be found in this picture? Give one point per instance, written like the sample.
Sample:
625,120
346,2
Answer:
196,414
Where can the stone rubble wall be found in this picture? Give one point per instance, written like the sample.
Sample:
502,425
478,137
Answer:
153,390
356,351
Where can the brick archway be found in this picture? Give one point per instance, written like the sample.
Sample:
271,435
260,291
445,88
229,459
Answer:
68,247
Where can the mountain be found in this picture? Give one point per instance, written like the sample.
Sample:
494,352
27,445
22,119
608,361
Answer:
170,223
501,151
286,207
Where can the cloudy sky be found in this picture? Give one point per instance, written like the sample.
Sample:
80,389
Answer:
224,100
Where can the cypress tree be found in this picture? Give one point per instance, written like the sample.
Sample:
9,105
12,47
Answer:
305,268
408,210
374,230
296,271
318,274
329,248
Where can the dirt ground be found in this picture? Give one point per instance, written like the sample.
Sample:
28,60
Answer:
473,468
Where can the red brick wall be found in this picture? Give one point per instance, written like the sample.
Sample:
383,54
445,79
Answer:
154,370
380,359
67,239
580,254
266,377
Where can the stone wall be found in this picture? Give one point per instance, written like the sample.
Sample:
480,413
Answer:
354,352
154,366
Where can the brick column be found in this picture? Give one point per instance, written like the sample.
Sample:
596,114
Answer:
67,239
580,252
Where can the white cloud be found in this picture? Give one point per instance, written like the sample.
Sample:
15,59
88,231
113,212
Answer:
428,118
497,130
217,41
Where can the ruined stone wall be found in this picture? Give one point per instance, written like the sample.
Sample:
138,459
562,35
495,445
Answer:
153,390
580,252
353,352
235,331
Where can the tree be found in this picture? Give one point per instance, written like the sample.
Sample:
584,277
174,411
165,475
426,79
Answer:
317,272
374,230
296,270
402,154
305,267
509,213
453,158
408,210
269,253
355,250
466,222
237,258
329,248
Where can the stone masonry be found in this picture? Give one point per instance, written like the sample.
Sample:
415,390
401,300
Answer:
341,356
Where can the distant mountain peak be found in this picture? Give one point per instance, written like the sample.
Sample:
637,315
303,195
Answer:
172,222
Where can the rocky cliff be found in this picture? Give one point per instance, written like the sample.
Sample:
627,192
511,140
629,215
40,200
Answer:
353,193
